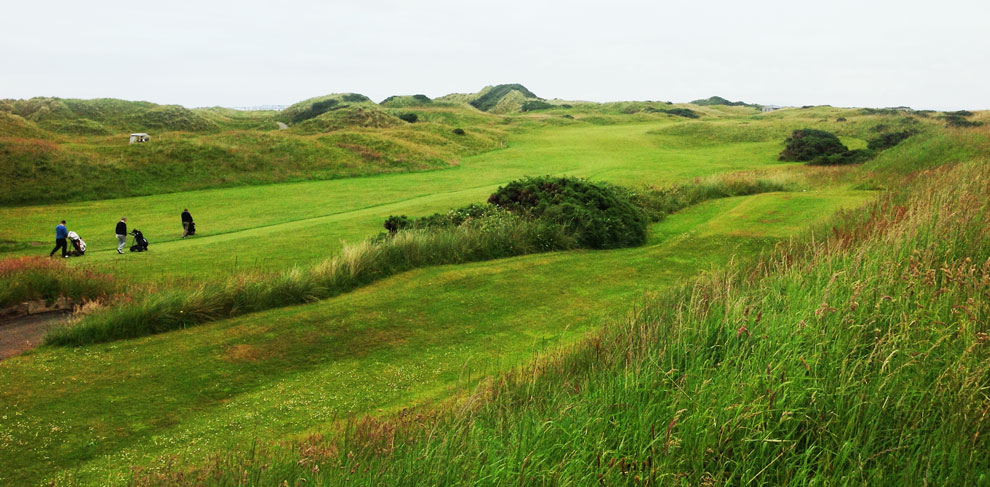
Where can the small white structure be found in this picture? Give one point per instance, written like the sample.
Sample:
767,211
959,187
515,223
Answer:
139,138
770,108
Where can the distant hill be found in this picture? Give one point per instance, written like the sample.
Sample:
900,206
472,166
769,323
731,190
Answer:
103,116
718,100
314,107
507,98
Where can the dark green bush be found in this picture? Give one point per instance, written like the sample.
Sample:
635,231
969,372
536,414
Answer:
806,145
458,131
848,157
889,140
317,109
958,119
395,223
355,98
681,112
599,215
409,117
531,105
840,119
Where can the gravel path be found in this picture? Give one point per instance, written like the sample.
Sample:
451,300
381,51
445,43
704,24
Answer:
26,332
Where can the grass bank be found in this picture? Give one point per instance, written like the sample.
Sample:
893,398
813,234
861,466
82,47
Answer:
861,356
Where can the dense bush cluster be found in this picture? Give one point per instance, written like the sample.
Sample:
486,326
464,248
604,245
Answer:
316,109
958,119
409,117
807,145
531,105
677,112
889,140
599,215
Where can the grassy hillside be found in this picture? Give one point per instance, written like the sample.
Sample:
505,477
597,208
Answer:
857,356
50,151
289,393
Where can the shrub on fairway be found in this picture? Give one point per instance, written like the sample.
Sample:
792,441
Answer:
599,215
806,145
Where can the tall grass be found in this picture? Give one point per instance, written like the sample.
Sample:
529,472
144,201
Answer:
861,357
357,265
39,278
660,202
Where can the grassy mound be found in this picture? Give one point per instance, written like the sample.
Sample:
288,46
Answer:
490,98
860,357
718,100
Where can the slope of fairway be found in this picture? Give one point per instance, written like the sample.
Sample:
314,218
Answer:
271,227
96,410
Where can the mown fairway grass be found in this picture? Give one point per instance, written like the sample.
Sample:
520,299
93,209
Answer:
271,227
393,344
96,410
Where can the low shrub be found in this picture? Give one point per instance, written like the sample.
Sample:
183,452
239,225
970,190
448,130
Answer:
889,140
355,98
599,215
458,131
806,145
409,117
958,119
681,112
531,105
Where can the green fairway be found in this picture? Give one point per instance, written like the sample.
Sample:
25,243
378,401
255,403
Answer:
420,336
392,344
270,227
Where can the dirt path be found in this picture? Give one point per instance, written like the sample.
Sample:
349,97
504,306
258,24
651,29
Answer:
26,332
282,126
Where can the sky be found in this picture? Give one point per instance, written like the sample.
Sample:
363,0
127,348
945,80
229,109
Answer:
864,53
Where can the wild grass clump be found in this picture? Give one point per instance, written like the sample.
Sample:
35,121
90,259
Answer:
38,278
860,357
660,202
889,140
357,265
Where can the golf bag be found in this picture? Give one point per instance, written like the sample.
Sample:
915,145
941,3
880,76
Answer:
140,243
192,228
76,244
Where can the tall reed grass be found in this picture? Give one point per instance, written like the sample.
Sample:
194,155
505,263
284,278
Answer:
859,357
39,278
357,265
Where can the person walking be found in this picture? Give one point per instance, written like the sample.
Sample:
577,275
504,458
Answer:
121,235
60,234
187,222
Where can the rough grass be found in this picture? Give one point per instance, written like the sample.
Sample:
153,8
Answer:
356,265
861,356
39,278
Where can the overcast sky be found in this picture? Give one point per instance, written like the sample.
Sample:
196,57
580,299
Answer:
931,54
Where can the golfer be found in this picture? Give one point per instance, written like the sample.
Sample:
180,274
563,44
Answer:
60,234
121,235
186,222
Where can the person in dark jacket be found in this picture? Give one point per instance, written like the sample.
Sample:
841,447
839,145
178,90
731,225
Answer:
187,221
121,235
60,234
